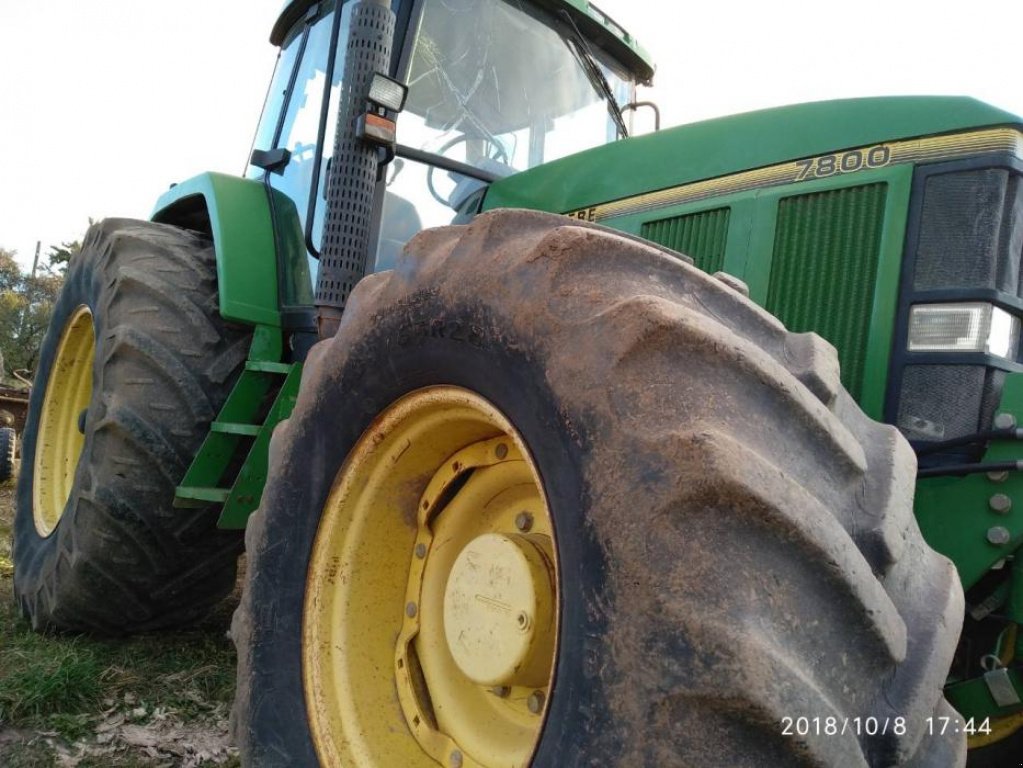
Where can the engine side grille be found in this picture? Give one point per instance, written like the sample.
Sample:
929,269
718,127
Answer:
699,235
824,267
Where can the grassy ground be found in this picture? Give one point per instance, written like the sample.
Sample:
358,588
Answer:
156,700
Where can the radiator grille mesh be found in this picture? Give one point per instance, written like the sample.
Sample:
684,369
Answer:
824,266
701,236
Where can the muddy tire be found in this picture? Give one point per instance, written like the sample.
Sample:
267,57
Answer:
8,448
735,542
98,545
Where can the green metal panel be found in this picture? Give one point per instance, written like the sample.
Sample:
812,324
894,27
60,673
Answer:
726,145
239,216
702,235
824,268
955,514
750,243
973,699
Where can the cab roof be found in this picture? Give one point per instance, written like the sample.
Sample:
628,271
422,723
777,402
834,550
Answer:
599,28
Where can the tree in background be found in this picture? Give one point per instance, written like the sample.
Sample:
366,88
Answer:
26,303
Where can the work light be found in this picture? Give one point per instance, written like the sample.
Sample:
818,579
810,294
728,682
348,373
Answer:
387,93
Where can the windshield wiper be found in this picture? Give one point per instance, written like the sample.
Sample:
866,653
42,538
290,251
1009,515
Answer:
581,50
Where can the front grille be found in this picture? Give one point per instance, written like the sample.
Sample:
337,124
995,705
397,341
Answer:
824,266
968,221
702,236
940,402
964,246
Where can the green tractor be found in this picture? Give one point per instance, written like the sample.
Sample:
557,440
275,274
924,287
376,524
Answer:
521,488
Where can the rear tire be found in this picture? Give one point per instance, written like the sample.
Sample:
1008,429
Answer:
98,545
8,448
735,540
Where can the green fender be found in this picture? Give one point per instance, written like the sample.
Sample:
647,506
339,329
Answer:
240,220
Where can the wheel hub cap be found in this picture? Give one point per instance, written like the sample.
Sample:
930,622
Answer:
497,611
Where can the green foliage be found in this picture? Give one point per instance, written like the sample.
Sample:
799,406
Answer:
60,256
60,693
33,754
35,684
26,303
53,680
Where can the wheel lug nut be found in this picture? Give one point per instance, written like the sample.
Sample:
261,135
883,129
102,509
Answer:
501,451
501,691
420,551
411,610
535,702
456,759
524,521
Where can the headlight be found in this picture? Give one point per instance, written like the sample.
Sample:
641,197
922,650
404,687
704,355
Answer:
966,327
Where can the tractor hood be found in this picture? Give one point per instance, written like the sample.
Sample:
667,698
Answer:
728,145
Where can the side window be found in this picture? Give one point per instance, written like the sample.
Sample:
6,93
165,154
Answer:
298,134
302,120
274,103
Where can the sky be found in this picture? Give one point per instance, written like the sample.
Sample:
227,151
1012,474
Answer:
105,103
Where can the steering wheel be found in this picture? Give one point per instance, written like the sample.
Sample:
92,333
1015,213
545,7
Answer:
493,150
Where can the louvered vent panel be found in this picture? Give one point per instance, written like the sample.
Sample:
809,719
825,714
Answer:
699,235
826,251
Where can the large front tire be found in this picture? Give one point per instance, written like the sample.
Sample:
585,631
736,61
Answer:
134,367
733,544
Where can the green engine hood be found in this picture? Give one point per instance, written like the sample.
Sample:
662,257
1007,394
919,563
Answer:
733,144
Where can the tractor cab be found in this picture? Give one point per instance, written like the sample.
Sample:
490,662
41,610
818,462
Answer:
494,87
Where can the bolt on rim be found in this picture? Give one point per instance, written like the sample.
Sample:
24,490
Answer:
436,532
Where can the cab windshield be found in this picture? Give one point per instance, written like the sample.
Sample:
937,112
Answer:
495,85
489,80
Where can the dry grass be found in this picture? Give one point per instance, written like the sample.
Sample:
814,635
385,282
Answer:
154,700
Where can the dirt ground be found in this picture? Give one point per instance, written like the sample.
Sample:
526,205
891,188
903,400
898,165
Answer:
155,700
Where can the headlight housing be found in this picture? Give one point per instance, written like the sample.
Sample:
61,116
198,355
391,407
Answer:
963,327
960,317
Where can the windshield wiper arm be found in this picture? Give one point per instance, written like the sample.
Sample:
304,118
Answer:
581,49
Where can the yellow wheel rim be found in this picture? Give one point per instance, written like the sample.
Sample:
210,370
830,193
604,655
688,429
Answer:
58,440
1001,728
430,622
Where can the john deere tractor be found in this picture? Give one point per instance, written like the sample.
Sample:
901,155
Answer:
537,433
